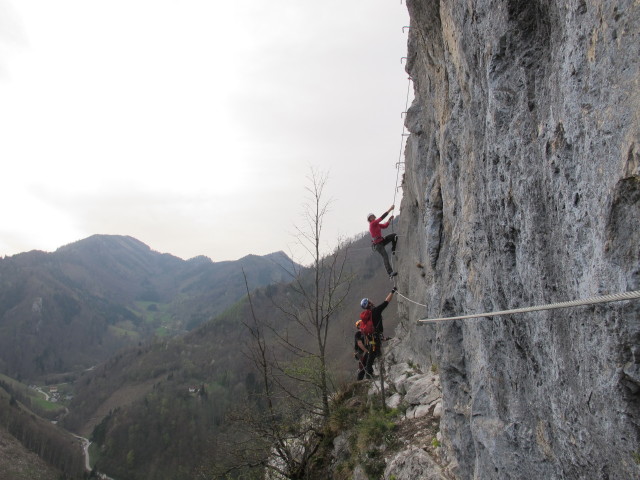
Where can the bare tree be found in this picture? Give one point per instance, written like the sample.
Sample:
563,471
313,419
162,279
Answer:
316,298
295,379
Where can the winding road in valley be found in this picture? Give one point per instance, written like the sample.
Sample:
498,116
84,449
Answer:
87,463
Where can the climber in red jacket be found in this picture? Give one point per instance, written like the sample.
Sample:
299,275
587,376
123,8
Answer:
379,242
373,329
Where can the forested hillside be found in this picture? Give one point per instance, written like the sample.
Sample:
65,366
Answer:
53,445
18,463
160,411
71,309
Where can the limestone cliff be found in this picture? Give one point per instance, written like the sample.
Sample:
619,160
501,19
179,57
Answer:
522,187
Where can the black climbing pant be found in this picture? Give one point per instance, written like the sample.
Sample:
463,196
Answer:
380,248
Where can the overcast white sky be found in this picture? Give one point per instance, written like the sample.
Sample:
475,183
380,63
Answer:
192,125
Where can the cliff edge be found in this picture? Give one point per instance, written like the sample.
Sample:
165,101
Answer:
522,187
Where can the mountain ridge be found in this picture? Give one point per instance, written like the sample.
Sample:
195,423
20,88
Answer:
76,306
183,388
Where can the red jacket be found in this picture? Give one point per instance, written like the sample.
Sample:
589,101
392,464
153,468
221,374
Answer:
375,228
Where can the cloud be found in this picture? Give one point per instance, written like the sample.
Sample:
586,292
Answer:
12,35
189,125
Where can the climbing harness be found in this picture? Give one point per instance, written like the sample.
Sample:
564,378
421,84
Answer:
616,297
371,342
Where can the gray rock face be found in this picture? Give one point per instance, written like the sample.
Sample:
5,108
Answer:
522,187
423,390
412,464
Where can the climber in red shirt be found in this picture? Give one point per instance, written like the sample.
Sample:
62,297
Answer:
379,242
371,326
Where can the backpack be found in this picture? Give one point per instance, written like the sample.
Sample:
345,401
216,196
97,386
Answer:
366,326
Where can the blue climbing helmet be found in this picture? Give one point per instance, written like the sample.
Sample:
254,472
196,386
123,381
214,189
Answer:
364,302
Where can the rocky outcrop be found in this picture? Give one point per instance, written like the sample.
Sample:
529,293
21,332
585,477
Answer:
411,448
420,395
522,187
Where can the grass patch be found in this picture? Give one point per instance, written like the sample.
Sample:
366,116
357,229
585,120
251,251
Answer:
123,332
162,332
38,402
8,380
154,312
374,434
34,396
369,431
348,405
374,463
375,429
